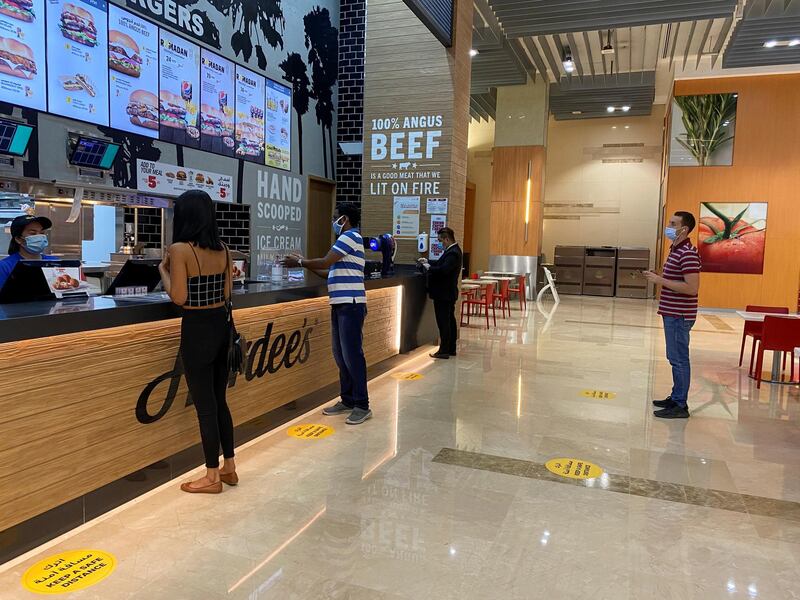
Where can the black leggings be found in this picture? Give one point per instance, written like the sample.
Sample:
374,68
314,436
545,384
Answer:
204,351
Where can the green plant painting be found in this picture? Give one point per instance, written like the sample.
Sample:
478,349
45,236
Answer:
707,125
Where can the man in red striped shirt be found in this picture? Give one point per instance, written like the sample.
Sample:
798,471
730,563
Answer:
678,308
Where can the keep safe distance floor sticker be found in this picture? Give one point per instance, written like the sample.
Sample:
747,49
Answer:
599,394
573,468
407,376
69,571
310,431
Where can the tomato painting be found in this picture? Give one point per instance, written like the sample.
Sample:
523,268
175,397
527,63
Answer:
732,237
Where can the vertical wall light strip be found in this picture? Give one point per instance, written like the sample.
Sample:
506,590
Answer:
528,201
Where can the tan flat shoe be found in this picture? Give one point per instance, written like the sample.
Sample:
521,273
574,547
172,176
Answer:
212,488
229,478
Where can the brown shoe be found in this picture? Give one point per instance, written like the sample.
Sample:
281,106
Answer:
211,488
229,478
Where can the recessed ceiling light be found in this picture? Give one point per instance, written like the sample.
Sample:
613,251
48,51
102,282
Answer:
473,52
610,109
627,126
613,127
626,108
569,66
770,44
794,43
577,112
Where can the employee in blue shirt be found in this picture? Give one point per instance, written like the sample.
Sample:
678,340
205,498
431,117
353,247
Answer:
28,242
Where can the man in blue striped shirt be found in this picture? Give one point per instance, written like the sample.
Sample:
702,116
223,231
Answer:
344,264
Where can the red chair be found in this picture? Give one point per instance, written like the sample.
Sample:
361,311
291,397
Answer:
520,290
754,328
484,302
474,276
504,297
779,335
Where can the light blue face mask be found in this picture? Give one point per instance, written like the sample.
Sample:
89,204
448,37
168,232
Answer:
671,233
337,226
36,244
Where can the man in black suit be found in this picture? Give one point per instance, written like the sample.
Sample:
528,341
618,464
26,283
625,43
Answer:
444,277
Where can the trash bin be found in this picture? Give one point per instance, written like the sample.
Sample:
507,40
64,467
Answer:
599,271
569,262
630,264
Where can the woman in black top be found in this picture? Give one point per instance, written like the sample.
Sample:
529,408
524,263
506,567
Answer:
197,276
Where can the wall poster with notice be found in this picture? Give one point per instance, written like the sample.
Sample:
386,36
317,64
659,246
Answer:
436,249
405,218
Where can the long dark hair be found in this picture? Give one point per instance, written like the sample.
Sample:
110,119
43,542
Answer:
195,221
13,246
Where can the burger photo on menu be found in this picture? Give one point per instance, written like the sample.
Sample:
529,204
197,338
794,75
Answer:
77,24
16,59
18,9
249,141
172,111
123,54
143,109
211,121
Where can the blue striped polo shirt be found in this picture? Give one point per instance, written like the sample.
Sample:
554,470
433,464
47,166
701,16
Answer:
346,276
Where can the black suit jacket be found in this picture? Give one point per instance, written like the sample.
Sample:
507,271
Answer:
444,276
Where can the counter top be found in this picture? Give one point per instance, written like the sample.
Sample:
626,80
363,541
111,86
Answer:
33,320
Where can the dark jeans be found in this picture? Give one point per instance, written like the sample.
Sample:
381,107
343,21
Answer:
347,332
676,333
446,322
204,352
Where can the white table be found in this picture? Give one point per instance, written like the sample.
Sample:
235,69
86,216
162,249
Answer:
776,356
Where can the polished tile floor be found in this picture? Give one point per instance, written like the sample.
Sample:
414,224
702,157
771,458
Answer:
443,494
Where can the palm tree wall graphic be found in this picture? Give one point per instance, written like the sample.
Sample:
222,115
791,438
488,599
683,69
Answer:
296,73
322,42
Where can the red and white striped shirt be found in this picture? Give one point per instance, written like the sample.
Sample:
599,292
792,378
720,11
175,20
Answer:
683,260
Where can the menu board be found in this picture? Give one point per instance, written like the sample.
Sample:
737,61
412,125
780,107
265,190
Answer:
22,53
179,96
132,72
217,93
250,90
279,125
77,59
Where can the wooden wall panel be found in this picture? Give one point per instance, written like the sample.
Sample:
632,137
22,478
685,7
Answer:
409,73
766,163
509,188
81,430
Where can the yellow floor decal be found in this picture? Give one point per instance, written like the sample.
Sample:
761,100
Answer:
598,394
407,376
310,431
69,571
573,468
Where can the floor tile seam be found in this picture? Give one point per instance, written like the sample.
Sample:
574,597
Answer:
700,495
644,326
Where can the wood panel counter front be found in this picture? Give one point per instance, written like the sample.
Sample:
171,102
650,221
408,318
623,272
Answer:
84,409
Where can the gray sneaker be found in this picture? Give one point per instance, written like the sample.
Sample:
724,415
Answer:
337,409
358,416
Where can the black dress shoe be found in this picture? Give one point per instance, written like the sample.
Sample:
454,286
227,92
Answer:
453,354
665,403
439,355
673,412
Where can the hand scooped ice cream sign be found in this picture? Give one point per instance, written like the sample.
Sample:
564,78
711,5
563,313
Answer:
732,237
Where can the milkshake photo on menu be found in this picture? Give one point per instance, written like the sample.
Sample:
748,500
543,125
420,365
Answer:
22,53
179,95
132,73
217,91
77,59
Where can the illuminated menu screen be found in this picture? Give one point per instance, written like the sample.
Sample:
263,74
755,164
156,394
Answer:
77,59
22,53
279,126
250,115
132,72
179,96
217,93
